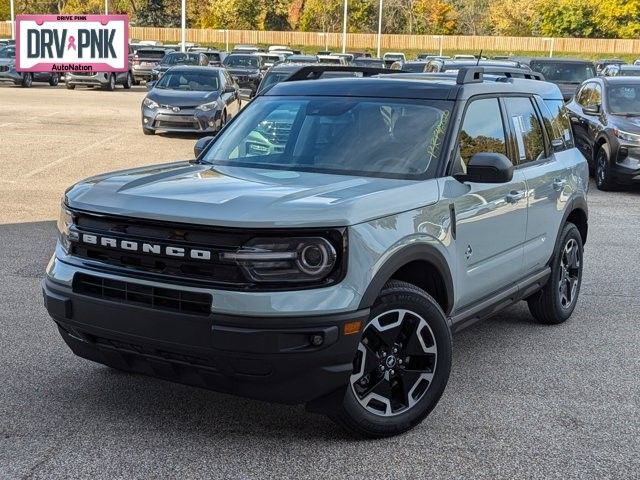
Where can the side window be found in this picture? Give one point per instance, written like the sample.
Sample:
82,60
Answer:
583,95
482,129
560,120
596,95
526,128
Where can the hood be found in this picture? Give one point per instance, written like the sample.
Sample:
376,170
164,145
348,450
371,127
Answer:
243,71
181,98
626,124
7,61
247,197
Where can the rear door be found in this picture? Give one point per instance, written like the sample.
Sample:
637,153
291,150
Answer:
490,218
537,144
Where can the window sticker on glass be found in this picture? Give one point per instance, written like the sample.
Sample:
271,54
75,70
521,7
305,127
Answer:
519,128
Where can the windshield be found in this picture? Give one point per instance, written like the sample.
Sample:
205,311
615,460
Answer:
301,59
157,54
246,61
629,72
272,78
7,53
624,99
181,58
189,81
349,136
564,72
368,63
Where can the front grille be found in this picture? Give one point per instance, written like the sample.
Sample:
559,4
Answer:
4,68
144,295
83,74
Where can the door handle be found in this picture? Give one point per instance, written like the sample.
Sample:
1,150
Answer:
559,184
514,195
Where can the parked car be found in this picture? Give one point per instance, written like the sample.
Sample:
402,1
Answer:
245,49
568,74
270,59
426,56
8,73
173,59
144,61
332,60
216,57
412,66
444,65
302,59
601,64
616,70
391,57
325,245
190,99
368,62
605,117
246,69
104,80
347,57
465,56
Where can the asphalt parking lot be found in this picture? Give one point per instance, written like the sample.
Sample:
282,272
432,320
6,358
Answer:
523,401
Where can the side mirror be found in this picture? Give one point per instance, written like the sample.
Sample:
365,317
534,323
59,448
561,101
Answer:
591,110
150,85
245,94
201,145
228,88
488,168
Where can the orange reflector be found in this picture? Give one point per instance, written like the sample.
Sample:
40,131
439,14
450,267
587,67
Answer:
352,327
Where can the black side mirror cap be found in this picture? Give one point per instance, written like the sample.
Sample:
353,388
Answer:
201,145
488,167
229,89
591,110
245,94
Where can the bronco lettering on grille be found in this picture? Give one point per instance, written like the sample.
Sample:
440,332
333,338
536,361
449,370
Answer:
151,248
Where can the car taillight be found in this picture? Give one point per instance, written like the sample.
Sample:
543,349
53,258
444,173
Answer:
136,60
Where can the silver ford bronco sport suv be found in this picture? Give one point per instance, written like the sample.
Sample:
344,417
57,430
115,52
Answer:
323,247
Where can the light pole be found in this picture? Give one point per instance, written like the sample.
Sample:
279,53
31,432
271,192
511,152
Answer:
183,25
226,38
13,21
106,7
550,40
379,28
344,29
441,37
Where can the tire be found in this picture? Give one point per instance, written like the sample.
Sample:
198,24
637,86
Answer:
223,120
111,86
128,81
70,86
407,317
54,80
136,82
148,131
27,80
603,169
555,303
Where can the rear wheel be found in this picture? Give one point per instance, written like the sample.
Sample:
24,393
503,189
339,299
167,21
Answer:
27,80
54,80
128,81
70,86
603,168
557,300
401,366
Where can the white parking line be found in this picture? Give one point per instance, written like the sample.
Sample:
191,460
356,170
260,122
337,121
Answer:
67,157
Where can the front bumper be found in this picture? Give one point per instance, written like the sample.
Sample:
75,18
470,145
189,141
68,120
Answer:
142,73
268,358
626,169
11,76
188,121
95,80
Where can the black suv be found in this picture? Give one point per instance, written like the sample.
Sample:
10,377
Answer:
605,116
565,72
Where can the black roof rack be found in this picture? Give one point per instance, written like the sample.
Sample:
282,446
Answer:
470,75
313,72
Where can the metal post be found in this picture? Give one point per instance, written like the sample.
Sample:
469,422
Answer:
226,39
13,21
551,48
379,28
441,42
106,7
184,26
344,28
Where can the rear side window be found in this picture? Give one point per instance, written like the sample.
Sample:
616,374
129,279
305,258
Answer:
156,54
482,130
556,115
527,130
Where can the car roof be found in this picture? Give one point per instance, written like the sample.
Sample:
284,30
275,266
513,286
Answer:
195,68
410,86
616,80
629,67
551,60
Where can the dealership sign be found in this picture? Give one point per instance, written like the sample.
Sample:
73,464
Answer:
62,43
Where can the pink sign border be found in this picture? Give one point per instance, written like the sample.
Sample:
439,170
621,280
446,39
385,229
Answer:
97,67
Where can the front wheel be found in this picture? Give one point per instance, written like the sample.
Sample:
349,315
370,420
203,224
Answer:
27,80
54,80
111,86
128,81
603,168
556,301
401,367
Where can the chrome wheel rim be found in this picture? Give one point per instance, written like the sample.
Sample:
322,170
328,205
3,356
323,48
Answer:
569,274
395,363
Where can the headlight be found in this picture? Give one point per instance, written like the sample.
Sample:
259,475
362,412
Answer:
626,136
65,221
297,259
207,107
147,102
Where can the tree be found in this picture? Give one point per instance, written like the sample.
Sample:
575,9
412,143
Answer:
434,17
621,18
155,14
473,16
514,17
571,18
233,14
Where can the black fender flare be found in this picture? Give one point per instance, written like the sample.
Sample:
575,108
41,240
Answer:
399,259
576,203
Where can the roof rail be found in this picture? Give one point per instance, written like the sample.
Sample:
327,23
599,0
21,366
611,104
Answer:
469,75
313,72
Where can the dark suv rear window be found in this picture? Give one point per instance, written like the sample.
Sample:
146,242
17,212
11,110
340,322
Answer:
564,72
158,54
